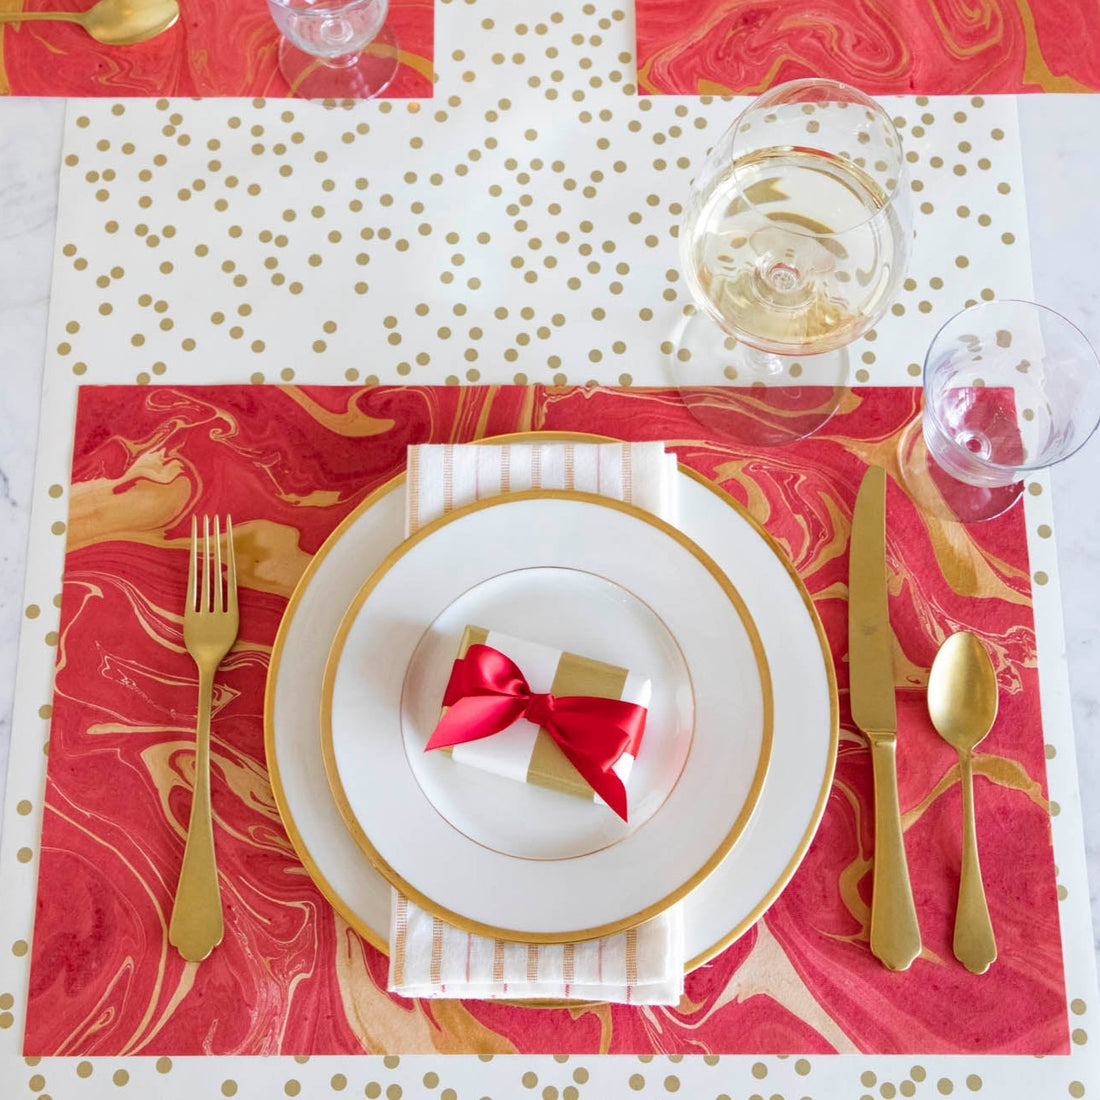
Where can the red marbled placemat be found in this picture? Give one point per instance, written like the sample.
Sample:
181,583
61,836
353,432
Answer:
907,47
291,977
217,48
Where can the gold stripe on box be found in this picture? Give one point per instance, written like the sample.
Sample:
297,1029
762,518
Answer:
574,675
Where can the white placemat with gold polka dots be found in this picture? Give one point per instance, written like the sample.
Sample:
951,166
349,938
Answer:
519,226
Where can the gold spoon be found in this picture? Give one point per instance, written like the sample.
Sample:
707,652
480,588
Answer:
112,22
962,703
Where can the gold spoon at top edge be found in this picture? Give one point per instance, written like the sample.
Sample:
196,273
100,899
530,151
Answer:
112,22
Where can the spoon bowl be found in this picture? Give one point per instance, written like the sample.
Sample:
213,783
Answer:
112,22
962,692
962,703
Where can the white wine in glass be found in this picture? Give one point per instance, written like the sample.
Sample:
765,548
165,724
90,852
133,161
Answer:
795,237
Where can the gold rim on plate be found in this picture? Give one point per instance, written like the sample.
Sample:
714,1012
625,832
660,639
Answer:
349,915
429,904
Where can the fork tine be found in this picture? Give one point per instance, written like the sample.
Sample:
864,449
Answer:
205,605
231,559
218,605
192,575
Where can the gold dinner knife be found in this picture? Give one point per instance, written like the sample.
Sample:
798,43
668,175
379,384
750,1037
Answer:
895,934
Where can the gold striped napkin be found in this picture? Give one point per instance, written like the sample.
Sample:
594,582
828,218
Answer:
445,476
430,958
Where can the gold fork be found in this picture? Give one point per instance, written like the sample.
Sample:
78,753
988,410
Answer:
209,629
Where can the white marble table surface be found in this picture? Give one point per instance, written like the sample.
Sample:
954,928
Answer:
1063,173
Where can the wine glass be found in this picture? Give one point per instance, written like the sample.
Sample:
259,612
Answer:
793,243
335,48
1009,387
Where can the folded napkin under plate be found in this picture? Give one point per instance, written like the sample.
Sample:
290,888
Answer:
428,956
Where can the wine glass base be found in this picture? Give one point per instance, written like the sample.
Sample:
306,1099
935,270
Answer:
750,395
939,494
366,75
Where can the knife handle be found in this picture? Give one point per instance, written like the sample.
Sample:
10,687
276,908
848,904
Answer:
895,934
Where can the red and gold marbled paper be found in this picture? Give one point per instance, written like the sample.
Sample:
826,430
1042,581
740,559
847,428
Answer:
905,47
290,976
216,48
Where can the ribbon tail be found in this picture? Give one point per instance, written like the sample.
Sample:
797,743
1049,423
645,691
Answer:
603,781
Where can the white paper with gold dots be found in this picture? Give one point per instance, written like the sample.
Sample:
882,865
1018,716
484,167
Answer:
520,226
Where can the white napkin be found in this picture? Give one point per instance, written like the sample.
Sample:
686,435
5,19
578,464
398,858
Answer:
430,958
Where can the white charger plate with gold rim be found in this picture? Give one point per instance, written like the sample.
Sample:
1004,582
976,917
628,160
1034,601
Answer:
552,869
805,724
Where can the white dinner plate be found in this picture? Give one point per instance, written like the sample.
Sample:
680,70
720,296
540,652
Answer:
805,724
607,877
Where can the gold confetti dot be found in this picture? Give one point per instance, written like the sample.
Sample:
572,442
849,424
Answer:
1078,1035
1076,1089
945,1086
973,1082
36,1082
23,808
229,1088
636,1082
84,1069
24,855
120,1077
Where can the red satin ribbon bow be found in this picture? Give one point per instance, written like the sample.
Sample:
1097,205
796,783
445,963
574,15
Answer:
487,693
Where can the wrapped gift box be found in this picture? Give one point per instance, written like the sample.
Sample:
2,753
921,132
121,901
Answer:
526,752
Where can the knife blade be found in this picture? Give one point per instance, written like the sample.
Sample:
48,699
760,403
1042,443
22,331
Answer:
895,934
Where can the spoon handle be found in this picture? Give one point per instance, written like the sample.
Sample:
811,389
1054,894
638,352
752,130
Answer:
30,16
975,946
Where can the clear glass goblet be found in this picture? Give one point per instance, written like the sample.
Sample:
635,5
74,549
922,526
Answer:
794,242
335,49
1009,387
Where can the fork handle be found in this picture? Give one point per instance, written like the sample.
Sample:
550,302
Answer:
196,927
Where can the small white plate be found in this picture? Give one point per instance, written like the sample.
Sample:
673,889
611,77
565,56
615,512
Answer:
804,745
636,873
567,610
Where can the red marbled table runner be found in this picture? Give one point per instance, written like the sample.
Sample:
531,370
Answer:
290,976
217,48
903,48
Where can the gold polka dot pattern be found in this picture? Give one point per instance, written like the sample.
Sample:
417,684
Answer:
521,227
